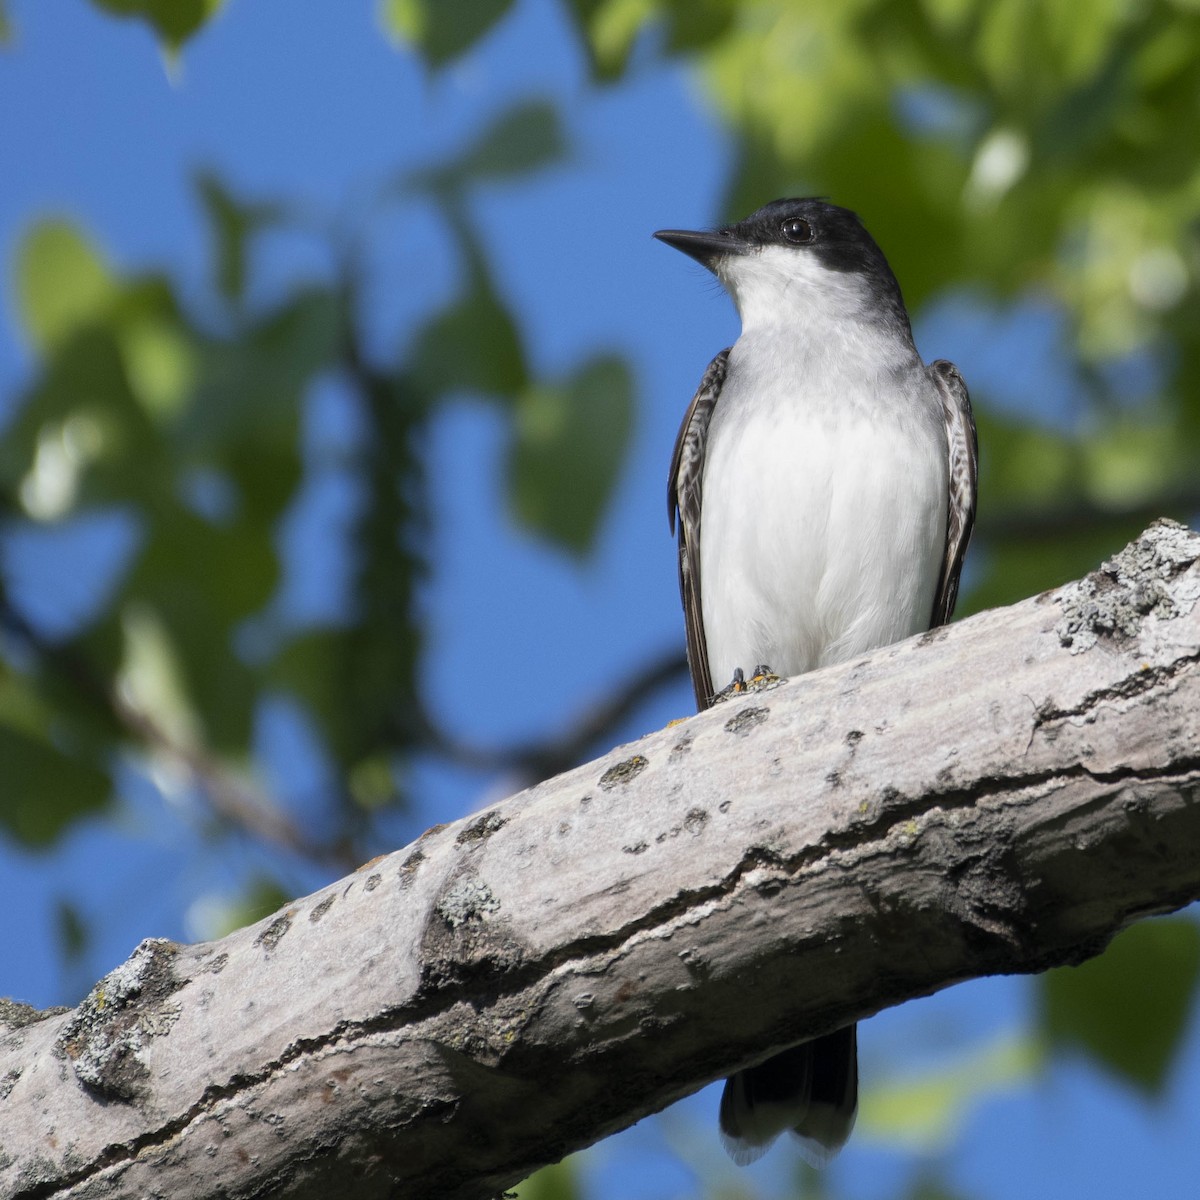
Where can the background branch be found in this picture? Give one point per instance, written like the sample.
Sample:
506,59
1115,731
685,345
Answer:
1053,522
542,758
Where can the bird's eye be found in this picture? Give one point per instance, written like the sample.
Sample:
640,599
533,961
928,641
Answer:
797,230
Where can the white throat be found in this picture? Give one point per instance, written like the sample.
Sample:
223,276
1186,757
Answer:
791,304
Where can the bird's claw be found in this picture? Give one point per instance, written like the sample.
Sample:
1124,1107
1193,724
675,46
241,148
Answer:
761,680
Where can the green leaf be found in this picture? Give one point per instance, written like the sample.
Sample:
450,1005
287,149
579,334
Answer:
928,1186
6,30
569,443
102,446
151,679
200,582
695,24
72,930
472,346
609,29
438,30
352,682
218,916
525,139
45,788
1129,1008
174,21
161,363
557,1182
62,282
232,224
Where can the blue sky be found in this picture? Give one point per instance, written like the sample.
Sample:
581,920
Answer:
306,100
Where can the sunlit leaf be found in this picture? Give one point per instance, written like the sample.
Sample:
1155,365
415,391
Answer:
161,363
1129,1008
610,29
438,31
151,679
83,410
61,280
926,1112
568,447
174,21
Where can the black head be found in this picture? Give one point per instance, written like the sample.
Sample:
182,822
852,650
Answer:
809,226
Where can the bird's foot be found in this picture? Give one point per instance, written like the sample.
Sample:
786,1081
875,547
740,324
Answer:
761,680
735,687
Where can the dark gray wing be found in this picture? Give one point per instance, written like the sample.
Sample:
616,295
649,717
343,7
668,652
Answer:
684,498
963,448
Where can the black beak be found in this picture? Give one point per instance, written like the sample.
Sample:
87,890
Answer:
705,248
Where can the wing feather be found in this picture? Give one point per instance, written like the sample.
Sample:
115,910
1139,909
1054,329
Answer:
684,496
963,450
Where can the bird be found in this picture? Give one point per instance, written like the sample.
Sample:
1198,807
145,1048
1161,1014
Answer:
824,487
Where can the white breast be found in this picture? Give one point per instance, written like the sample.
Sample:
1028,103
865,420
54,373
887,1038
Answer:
824,510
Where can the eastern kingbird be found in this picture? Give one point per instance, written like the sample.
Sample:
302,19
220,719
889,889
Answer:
824,480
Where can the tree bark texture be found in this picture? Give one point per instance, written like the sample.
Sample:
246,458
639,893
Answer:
1001,795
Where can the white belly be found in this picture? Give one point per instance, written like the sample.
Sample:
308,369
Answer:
821,539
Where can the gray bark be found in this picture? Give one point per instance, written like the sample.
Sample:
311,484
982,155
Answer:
1001,795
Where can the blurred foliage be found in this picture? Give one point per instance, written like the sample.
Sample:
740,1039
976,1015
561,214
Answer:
569,436
1128,1009
569,441
72,931
928,1187
557,1182
925,1113
259,898
1000,151
173,21
440,31
187,428
232,226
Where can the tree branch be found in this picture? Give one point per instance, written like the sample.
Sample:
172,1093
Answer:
1001,795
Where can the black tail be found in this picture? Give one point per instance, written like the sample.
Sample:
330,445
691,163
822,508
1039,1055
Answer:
811,1089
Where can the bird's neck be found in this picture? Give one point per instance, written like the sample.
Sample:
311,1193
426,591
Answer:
801,338
833,315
